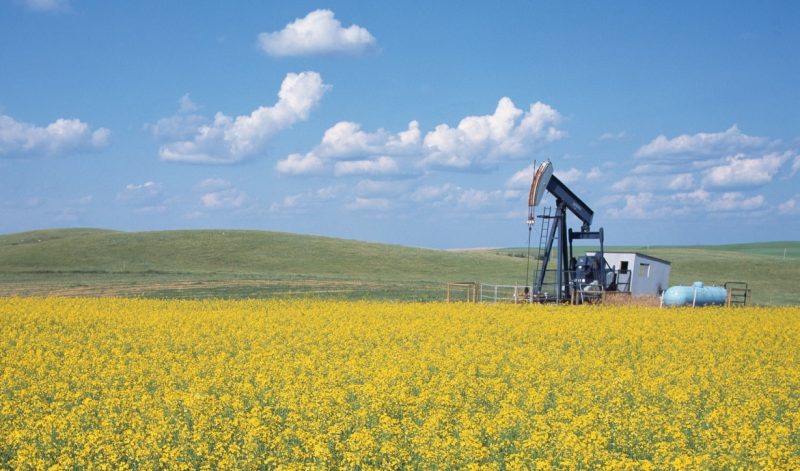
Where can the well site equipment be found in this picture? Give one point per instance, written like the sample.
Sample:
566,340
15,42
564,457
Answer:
583,278
732,293
576,278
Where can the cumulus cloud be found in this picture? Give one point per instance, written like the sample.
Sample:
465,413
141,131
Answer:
49,6
63,136
298,164
477,142
381,165
318,33
229,140
742,171
230,198
482,140
702,144
345,141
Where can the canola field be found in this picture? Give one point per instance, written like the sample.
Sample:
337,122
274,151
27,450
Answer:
254,384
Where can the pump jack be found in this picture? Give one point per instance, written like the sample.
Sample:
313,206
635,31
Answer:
572,275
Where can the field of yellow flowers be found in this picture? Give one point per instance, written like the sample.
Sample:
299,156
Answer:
124,383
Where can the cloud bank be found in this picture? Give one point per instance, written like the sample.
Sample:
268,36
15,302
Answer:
700,173
63,136
477,142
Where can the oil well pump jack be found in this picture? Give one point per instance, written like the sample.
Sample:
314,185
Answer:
576,279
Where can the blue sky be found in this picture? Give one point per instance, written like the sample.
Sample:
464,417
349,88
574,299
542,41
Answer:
414,123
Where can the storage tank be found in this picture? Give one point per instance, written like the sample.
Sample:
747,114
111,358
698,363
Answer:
695,295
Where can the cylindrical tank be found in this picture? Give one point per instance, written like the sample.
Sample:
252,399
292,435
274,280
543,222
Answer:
695,295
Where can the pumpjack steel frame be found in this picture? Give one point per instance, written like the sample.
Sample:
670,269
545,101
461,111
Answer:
565,200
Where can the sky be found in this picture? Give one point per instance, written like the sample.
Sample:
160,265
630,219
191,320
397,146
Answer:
413,123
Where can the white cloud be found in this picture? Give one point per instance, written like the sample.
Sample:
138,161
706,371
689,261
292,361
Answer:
702,144
49,6
318,33
483,140
231,198
297,164
796,165
63,136
736,201
346,141
478,141
741,171
381,166
230,140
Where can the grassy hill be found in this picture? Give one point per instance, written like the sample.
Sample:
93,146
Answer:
92,262
234,263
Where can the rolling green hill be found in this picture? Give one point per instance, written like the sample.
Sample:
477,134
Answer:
92,262
234,263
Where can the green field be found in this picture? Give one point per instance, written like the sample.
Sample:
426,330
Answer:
234,264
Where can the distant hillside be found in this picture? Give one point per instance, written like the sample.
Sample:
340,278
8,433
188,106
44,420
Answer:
165,260
202,263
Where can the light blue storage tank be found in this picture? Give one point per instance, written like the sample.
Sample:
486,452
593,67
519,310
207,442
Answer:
695,295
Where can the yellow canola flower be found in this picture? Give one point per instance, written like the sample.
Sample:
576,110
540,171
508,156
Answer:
251,384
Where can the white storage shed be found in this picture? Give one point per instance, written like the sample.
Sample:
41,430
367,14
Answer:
639,274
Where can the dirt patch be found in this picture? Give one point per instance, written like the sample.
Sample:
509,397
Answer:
626,299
